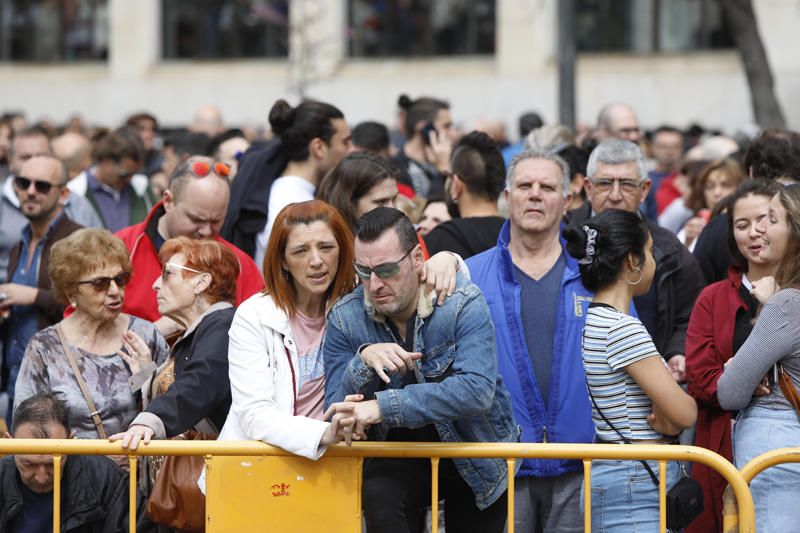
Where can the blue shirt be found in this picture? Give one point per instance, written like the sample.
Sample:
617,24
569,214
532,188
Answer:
114,205
36,515
538,309
24,319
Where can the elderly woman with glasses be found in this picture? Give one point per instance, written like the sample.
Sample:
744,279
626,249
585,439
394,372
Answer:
196,289
97,359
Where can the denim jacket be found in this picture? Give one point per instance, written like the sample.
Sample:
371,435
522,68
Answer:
458,387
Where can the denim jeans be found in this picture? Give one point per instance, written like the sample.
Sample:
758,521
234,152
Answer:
624,497
759,430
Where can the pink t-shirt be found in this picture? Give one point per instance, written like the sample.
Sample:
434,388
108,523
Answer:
311,372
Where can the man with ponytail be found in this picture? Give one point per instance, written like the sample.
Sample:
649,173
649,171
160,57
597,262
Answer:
310,139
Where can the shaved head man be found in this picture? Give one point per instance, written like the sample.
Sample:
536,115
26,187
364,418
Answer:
618,120
208,120
74,150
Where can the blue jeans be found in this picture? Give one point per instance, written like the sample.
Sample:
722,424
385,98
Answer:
759,430
624,497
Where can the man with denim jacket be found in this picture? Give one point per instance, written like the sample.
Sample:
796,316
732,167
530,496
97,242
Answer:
428,374
538,305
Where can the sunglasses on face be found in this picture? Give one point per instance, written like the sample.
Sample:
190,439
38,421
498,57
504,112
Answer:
165,273
203,168
42,187
102,283
383,271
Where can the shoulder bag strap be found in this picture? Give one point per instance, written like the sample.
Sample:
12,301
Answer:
788,389
95,415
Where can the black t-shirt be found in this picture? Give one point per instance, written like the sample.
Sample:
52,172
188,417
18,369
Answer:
464,236
36,515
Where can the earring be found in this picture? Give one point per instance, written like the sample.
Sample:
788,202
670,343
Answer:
286,274
629,282
74,305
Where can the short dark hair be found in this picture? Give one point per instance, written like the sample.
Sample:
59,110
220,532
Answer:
212,148
375,223
619,233
478,162
529,122
298,126
764,188
667,129
41,410
424,108
371,136
118,145
773,154
136,118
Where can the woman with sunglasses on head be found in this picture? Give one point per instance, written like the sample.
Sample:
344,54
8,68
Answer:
769,421
721,321
276,369
98,358
627,379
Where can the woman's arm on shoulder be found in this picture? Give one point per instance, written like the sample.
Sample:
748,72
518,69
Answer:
704,364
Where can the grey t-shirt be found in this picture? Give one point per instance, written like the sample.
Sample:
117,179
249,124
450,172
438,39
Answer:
538,308
775,339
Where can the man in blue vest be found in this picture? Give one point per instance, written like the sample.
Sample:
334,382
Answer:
538,306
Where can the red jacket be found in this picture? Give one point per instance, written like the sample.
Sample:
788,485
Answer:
140,298
709,344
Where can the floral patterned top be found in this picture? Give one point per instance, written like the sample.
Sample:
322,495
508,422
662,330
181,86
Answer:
115,392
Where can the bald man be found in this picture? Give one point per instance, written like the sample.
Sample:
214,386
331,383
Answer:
74,150
208,120
618,120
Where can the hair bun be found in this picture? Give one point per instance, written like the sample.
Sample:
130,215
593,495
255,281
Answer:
404,101
281,116
576,241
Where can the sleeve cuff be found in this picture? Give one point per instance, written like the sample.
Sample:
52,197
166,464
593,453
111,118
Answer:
153,422
137,380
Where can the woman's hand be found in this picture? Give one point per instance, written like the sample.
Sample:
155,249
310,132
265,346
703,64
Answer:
764,288
135,434
661,424
138,354
343,422
439,275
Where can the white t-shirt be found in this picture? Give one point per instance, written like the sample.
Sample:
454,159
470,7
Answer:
284,191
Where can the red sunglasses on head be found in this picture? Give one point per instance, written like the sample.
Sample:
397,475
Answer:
203,168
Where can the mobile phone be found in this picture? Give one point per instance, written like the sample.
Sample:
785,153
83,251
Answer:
426,132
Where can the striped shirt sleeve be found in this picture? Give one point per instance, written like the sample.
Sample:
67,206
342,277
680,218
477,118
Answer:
628,342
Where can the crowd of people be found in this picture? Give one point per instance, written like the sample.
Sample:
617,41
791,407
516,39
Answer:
323,283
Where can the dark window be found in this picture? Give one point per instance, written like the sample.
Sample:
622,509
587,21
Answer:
646,26
406,28
53,30
225,29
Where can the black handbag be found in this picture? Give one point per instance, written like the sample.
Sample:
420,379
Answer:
684,499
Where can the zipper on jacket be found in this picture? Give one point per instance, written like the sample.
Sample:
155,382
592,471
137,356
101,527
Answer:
544,434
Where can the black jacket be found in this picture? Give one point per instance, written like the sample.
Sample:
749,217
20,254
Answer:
202,387
711,250
677,283
260,166
94,496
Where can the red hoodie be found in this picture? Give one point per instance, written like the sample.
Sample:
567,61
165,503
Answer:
140,298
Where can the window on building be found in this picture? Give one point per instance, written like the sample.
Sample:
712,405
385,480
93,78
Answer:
53,30
409,28
647,26
225,29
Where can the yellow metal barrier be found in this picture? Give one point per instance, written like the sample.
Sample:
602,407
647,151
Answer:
433,451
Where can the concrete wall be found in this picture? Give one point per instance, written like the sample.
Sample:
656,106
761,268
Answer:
708,87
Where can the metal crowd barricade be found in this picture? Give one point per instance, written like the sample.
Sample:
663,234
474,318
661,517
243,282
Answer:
433,451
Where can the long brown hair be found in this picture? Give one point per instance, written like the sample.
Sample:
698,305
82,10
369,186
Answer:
789,270
280,286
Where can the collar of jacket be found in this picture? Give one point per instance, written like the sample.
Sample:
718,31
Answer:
193,326
424,305
571,269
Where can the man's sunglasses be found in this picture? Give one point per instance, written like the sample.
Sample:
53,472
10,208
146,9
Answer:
383,271
102,283
203,168
42,187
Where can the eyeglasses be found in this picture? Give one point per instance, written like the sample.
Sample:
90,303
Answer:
383,271
102,283
203,168
628,186
165,274
42,187
628,131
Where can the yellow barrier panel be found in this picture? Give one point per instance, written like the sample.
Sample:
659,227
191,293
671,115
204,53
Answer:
582,452
292,493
